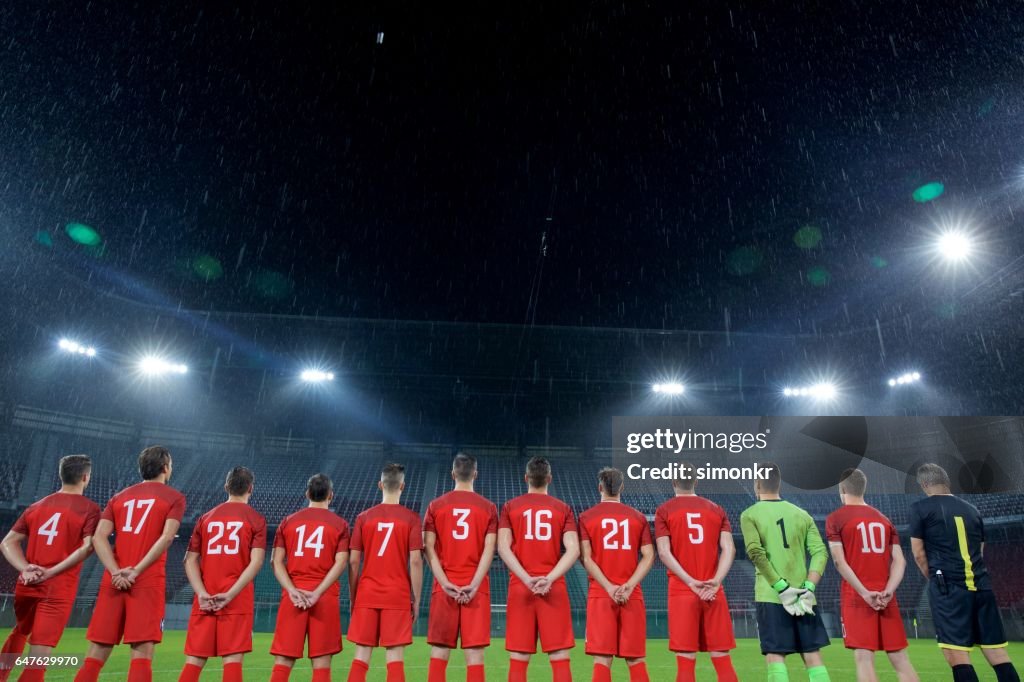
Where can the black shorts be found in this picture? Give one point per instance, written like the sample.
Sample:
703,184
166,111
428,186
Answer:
782,633
965,619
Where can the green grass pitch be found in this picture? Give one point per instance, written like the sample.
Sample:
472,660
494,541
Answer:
661,664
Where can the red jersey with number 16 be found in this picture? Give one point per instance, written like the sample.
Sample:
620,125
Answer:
461,520
867,537
695,526
139,513
616,533
224,538
385,534
55,526
311,538
537,521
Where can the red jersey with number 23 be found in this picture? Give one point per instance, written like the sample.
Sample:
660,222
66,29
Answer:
311,538
616,533
139,513
867,537
385,534
56,526
224,538
537,521
695,526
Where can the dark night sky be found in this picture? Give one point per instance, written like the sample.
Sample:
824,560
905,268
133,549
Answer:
669,154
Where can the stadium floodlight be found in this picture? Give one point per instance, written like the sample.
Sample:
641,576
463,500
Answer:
316,376
903,379
69,346
823,391
671,388
154,366
954,246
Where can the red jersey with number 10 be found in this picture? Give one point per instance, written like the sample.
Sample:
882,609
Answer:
537,521
867,537
139,513
461,520
311,538
616,533
695,526
386,534
224,538
56,526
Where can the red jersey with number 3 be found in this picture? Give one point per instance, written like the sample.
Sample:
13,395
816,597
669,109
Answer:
461,520
386,534
537,521
867,537
56,526
311,538
616,533
694,526
224,538
139,513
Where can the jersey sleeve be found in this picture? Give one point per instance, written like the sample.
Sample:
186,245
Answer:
415,533
755,550
195,542
916,523
570,521
506,519
259,535
344,538
21,525
92,519
356,543
584,533
108,511
726,525
492,520
833,531
645,532
661,528
279,540
177,510
815,548
428,520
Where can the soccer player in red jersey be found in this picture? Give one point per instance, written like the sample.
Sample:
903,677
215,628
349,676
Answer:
130,604
868,555
460,531
388,540
310,554
225,553
695,543
58,532
537,540
618,553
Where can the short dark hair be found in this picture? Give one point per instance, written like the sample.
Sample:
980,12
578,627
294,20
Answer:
689,481
73,468
152,461
463,467
932,474
853,482
319,487
392,476
538,470
610,479
773,483
239,481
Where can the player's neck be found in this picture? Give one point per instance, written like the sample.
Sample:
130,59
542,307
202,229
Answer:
326,504
610,498
938,490
162,478
686,493
244,499
769,497
853,500
464,486
537,491
73,489
391,498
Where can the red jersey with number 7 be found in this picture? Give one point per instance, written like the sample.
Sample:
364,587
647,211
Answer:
311,538
537,521
695,526
461,520
139,513
56,526
224,538
867,537
386,534
616,533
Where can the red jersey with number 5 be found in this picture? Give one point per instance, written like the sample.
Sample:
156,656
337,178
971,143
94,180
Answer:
616,533
56,526
311,538
461,520
695,526
224,538
139,513
537,521
867,537
386,534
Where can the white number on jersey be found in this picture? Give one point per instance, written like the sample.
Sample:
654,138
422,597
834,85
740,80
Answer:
215,546
315,541
696,530
610,542
872,537
49,529
461,530
389,528
536,526
131,506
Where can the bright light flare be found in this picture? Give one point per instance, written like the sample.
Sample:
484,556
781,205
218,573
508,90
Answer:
903,379
954,246
316,376
154,366
823,391
671,388
69,346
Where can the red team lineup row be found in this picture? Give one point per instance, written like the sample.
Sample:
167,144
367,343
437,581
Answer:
536,535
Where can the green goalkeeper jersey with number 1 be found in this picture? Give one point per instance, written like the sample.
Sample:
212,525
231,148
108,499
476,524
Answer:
779,537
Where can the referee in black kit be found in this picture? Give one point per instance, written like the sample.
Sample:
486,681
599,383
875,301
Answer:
947,536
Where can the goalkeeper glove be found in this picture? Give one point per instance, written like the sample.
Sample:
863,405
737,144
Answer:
807,599
789,596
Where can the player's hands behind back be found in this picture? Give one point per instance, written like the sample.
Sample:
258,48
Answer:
32,575
792,602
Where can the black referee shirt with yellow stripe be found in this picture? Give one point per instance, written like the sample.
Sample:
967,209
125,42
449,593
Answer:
953,532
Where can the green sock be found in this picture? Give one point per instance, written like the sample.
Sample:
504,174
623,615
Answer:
777,672
817,673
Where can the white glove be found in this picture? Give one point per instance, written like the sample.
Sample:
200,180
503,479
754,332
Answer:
791,601
808,601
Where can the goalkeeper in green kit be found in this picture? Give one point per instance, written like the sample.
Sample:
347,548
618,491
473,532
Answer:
779,537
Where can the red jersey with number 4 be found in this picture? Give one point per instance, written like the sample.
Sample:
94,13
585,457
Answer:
56,526
224,538
694,526
386,534
461,520
537,521
139,513
616,533
311,538
867,537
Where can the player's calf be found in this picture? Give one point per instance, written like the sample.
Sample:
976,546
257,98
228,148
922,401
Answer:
864,660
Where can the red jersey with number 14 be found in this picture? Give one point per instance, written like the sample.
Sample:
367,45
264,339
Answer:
867,537
695,526
461,520
56,526
537,521
224,538
139,513
616,533
385,534
311,538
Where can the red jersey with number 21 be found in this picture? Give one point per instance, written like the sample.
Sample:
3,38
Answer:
139,513
616,533
537,521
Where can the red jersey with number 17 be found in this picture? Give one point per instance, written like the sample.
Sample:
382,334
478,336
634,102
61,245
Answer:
867,537
694,526
310,539
56,526
224,538
386,534
139,513
461,520
537,521
616,533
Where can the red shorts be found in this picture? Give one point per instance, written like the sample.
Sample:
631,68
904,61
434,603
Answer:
380,627
135,615
615,629
529,615
321,624
865,628
218,634
41,619
698,625
449,620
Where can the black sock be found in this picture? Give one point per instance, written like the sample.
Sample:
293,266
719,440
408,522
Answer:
1005,672
964,673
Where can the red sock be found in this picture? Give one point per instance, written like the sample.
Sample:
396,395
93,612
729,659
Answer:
724,669
90,670
190,673
638,672
357,673
560,671
517,670
396,671
232,672
319,675
602,673
475,673
33,675
280,673
685,669
140,670
437,672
